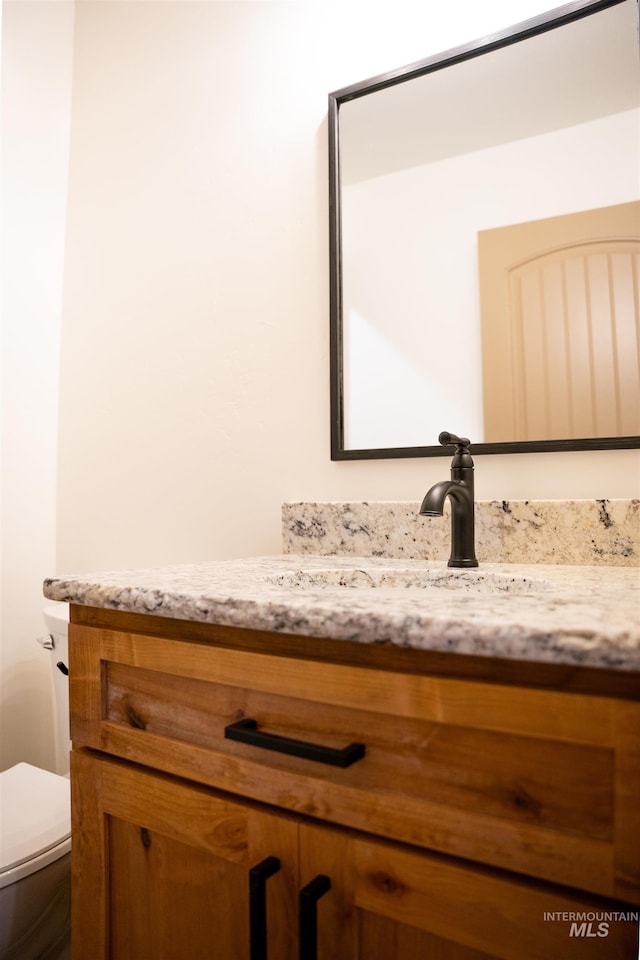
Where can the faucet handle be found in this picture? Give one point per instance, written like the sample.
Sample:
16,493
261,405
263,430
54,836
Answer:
447,438
462,454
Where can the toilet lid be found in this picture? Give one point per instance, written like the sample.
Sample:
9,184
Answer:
35,813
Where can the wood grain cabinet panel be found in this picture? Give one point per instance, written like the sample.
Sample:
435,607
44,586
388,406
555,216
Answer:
414,905
477,810
160,868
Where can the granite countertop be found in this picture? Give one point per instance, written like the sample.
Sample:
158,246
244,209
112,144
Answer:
553,613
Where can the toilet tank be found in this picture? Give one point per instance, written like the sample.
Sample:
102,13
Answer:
56,618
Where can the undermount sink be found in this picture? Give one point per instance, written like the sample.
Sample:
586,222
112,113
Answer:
475,581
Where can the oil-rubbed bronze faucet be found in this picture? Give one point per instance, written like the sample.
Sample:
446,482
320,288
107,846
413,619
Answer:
460,491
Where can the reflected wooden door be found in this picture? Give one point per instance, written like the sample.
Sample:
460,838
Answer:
560,310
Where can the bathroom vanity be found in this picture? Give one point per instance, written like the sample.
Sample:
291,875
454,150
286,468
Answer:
471,789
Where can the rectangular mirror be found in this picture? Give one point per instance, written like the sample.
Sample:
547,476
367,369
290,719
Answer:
485,243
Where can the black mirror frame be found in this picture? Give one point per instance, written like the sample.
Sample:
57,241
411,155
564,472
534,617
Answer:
522,31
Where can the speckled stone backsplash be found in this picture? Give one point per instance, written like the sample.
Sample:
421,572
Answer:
587,532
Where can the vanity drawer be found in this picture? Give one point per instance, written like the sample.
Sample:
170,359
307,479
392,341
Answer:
534,781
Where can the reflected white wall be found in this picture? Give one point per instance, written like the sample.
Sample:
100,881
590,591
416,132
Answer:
411,270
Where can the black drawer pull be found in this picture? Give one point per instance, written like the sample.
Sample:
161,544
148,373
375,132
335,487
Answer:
246,731
308,917
258,877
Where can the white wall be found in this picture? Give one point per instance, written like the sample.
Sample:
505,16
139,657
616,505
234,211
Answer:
37,44
195,342
195,387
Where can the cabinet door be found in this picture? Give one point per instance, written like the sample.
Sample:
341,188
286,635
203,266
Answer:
161,870
391,902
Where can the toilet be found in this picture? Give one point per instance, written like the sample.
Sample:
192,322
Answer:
35,832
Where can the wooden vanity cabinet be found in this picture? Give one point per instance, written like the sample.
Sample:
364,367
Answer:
485,820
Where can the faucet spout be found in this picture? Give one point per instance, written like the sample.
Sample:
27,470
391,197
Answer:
460,491
434,501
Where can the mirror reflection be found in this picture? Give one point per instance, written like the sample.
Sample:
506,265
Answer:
486,237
